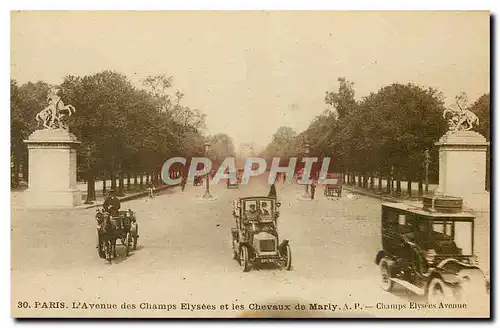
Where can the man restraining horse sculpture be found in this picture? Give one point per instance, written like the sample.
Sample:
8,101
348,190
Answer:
461,119
50,117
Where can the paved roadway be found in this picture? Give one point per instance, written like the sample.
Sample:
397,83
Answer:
185,255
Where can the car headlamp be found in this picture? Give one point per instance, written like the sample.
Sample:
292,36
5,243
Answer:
430,256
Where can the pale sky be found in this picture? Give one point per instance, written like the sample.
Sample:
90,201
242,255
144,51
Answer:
251,72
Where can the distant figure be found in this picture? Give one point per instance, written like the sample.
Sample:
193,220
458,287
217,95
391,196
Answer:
151,190
313,188
183,182
272,191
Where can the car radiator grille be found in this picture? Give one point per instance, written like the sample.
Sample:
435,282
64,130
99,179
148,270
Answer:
267,245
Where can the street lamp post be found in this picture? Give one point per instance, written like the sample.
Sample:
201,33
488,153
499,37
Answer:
427,160
89,178
307,146
207,194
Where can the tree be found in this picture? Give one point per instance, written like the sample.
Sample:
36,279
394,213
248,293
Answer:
26,101
221,147
482,109
343,100
283,143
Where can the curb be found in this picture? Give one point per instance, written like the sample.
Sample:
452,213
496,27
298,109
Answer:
131,197
369,194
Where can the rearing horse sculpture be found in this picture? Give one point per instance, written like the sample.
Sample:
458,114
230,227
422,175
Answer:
461,119
50,117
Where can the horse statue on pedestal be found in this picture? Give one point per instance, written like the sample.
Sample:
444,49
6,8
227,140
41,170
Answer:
460,119
51,116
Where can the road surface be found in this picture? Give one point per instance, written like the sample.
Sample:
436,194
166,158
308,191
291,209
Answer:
185,256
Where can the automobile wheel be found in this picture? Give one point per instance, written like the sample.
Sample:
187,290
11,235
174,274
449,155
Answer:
244,259
287,258
438,291
385,272
127,243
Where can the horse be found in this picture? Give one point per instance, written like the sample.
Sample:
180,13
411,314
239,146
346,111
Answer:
54,114
462,119
68,108
107,230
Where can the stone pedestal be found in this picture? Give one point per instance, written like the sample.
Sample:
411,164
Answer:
52,170
462,168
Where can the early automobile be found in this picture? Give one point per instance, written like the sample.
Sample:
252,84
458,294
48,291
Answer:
109,229
430,250
334,189
255,237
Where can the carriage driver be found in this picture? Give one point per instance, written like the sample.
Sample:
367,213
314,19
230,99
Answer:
112,204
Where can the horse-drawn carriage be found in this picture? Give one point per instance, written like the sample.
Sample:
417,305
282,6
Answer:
334,189
198,181
110,228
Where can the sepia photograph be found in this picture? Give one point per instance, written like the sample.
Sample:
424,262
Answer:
250,164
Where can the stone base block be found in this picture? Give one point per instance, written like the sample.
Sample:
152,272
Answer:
52,198
478,202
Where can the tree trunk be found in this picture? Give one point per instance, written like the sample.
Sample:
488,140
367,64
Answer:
360,182
113,180
379,182
135,180
420,187
90,187
121,184
128,181
104,184
409,188
372,182
147,179
398,185
15,169
141,181
388,186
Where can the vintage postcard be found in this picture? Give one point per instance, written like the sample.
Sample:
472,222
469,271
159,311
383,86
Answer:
250,164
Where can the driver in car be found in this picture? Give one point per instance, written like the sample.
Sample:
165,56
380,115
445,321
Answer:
263,209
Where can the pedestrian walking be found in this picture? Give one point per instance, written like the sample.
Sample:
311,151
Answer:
151,191
272,191
313,189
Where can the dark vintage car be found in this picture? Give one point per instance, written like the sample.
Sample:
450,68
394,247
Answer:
430,252
334,189
255,236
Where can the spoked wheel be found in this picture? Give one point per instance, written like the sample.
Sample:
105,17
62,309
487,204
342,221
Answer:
245,266
127,243
135,243
385,275
135,236
287,258
438,291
